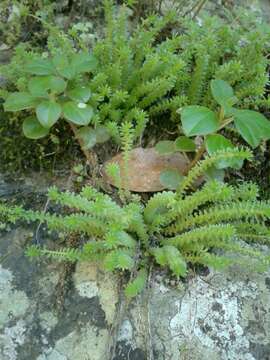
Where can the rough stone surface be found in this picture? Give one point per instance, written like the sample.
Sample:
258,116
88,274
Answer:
219,316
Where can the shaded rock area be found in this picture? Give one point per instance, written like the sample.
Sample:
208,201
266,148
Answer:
217,316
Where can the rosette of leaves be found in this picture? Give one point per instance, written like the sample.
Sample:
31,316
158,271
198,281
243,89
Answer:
58,89
252,126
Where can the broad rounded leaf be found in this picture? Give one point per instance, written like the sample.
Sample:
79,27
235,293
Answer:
183,143
88,136
81,94
252,126
214,174
39,85
198,120
102,134
218,142
19,101
32,128
57,84
63,67
48,112
79,114
223,93
165,147
40,67
171,179
84,62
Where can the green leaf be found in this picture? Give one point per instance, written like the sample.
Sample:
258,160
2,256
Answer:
20,101
136,286
88,136
80,94
63,67
183,143
165,147
102,134
159,256
32,128
218,142
39,85
223,93
48,112
175,260
40,67
214,174
56,84
84,62
170,178
79,114
198,120
252,126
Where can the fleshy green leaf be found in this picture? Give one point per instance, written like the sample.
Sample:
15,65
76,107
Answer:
40,67
135,286
79,114
165,147
183,143
88,136
39,85
223,93
170,179
20,101
214,174
63,67
80,94
48,112
198,120
216,142
84,62
252,126
32,128
102,134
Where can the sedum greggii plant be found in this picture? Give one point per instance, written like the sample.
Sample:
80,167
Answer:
136,75
173,229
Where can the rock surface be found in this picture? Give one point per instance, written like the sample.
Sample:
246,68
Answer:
219,316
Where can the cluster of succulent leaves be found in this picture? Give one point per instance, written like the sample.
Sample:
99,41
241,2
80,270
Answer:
173,229
136,75
201,121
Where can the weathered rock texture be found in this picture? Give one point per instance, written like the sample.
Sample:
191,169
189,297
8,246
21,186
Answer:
219,316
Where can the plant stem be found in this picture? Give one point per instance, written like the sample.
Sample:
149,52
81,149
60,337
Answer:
198,156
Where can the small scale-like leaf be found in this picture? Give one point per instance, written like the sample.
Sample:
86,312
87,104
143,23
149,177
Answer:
79,114
80,94
40,67
252,126
183,143
102,134
171,179
20,101
223,93
165,147
32,128
48,112
88,136
175,260
198,120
